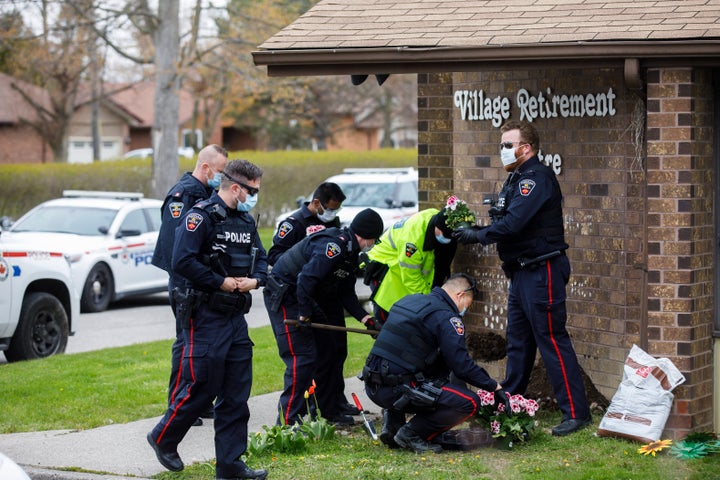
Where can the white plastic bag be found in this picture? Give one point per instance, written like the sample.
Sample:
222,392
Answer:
641,405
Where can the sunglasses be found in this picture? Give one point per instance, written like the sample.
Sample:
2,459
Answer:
252,191
508,145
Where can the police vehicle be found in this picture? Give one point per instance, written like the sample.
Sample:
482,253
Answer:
108,238
392,192
38,301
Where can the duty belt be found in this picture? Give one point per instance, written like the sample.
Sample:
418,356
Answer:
389,380
521,262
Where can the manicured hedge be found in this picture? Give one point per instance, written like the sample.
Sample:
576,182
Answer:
288,174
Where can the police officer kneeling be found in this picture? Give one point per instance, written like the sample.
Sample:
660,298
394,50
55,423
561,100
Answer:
419,365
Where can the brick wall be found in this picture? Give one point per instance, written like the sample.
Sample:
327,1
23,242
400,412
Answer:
639,223
680,236
21,144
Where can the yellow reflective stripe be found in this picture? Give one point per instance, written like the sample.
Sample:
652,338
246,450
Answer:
390,239
414,266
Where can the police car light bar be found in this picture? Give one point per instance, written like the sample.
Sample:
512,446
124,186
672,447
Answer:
379,170
100,194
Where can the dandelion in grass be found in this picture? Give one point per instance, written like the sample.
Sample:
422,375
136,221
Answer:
653,447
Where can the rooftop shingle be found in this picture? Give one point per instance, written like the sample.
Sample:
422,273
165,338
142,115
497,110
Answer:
334,23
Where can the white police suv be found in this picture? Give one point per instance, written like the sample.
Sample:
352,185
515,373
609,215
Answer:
392,192
38,302
108,238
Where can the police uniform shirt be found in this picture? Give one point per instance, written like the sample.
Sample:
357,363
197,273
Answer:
197,236
180,198
331,255
529,192
448,330
294,228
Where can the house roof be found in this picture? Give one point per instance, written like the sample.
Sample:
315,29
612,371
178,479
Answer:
13,107
391,36
138,101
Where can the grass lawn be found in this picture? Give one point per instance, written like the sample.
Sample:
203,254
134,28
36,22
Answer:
118,385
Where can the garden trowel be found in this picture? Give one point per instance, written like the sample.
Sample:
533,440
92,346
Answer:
368,424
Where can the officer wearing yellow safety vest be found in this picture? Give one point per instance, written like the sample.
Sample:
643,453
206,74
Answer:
412,256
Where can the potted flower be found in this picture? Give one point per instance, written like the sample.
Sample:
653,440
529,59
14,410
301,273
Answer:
507,429
457,214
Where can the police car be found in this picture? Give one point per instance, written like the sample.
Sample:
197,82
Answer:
38,302
108,238
392,192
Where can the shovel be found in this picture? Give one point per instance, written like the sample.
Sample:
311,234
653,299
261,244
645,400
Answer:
368,424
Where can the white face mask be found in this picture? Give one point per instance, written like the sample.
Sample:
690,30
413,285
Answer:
507,155
441,239
328,215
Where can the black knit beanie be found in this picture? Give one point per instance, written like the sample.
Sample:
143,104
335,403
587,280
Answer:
367,224
439,221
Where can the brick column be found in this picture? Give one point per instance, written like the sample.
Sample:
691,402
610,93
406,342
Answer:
680,237
435,139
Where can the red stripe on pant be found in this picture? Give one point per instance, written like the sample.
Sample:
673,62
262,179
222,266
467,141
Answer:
294,369
552,338
192,374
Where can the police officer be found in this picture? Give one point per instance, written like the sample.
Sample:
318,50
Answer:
408,370
529,232
313,216
219,258
412,256
317,214
190,189
293,291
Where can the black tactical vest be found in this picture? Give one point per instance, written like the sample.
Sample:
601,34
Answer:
404,340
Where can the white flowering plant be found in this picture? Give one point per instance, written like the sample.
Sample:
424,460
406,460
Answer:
457,214
507,429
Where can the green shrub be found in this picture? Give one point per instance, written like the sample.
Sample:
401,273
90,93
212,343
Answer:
288,175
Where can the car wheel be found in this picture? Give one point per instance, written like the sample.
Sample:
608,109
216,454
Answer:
42,330
98,289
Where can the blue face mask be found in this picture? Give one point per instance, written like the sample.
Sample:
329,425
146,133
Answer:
441,239
248,204
462,312
214,182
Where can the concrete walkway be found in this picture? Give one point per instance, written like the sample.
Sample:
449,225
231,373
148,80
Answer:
122,450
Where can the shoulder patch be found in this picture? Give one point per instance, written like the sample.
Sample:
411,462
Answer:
410,249
285,228
332,250
313,229
176,209
458,325
526,186
192,221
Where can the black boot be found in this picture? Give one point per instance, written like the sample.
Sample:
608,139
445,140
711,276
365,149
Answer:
393,420
408,438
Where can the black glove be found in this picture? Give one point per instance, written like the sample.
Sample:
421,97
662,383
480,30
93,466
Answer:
468,235
373,324
303,322
502,396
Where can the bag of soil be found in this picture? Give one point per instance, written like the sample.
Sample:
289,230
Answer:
641,405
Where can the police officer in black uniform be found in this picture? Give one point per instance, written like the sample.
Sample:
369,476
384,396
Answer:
317,214
292,293
313,216
528,229
219,257
408,370
190,189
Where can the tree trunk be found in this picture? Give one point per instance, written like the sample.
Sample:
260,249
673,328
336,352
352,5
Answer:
167,103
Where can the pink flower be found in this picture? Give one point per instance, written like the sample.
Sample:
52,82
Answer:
452,202
495,426
486,398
